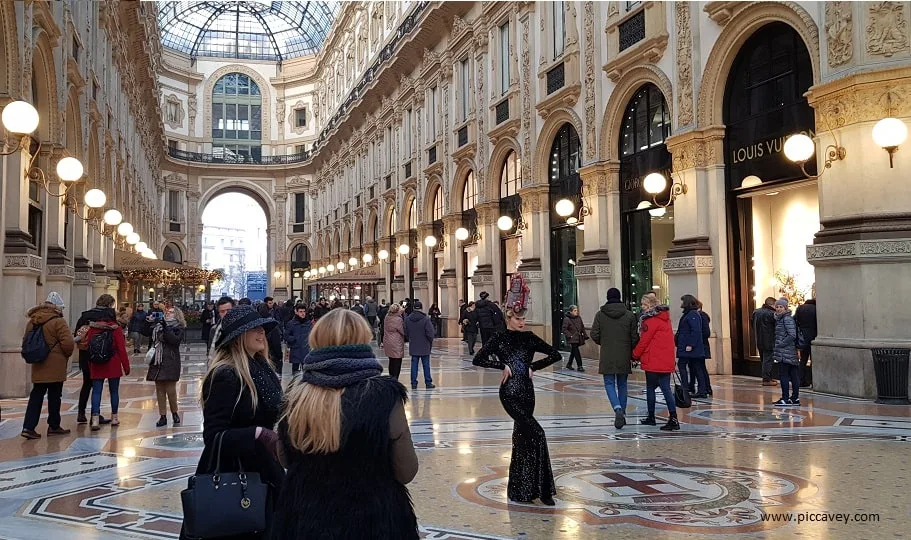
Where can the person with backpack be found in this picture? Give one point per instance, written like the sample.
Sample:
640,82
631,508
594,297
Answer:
108,359
47,346
104,309
164,366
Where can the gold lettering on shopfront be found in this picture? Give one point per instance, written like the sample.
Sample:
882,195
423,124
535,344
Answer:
763,148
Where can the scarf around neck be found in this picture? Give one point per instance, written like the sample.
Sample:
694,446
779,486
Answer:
340,366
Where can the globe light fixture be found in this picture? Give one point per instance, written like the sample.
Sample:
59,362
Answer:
643,205
69,169
330,268
141,247
572,220
95,198
352,261
306,274
367,258
504,223
404,249
132,238
322,269
383,254
461,234
751,182
340,265
657,212
889,134
564,207
654,183
124,229
430,241
277,274
113,217
20,117
799,148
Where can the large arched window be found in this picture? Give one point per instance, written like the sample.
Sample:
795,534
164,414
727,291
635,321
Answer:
237,118
376,229
300,257
412,215
564,154
172,254
469,192
438,204
646,122
509,177
393,221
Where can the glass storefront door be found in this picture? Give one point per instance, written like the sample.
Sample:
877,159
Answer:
564,292
647,237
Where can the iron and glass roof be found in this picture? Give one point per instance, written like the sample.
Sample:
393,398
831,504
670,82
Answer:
251,29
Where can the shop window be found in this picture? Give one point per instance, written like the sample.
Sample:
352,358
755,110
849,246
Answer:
469,193
438,204
646,121
509,177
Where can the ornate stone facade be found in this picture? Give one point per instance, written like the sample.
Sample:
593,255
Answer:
839,33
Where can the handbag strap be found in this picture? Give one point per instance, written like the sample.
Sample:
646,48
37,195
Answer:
212,456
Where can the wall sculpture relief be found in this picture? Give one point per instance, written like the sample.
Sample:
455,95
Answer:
684,64
839,33
590,122
526,101
887,28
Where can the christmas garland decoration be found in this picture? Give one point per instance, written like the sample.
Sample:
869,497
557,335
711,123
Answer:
185,275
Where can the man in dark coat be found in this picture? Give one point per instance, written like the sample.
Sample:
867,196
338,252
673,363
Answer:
321,309
763,323
381,313
615,331
490,318
420,332
805,317
137,328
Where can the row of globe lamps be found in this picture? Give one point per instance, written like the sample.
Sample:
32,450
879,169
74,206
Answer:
21,118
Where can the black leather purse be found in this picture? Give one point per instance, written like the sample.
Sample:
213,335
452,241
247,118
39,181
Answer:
681,394
223,504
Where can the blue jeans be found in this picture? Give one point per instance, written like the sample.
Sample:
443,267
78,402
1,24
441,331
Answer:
663,380
616,390
98,386
789,373
425,361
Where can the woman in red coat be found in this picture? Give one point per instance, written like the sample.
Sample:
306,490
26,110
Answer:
658,353
108,359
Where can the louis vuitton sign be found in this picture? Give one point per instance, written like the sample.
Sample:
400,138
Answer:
762,149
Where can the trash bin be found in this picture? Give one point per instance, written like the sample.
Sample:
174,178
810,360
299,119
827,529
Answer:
891,369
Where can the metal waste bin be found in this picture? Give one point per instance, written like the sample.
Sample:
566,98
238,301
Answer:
891,369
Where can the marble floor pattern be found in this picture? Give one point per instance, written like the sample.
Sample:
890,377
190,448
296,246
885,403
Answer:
736,462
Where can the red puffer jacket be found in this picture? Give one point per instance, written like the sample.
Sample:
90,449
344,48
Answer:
117,366
656,346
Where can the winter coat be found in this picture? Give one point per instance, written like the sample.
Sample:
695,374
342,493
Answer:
119,364
297,336
58,337
489,315
319,311
370,308
138,321
785,351
706,333
470,321
656,347
359,309
359,490
614,329
394,336
169,339
97,313
763,322
805,317
381,312
574,330
274,339
207,317
689,334
420,332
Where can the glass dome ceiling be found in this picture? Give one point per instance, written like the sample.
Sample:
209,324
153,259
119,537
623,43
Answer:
252,29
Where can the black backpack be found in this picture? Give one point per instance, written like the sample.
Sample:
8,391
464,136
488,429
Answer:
101,347
35,348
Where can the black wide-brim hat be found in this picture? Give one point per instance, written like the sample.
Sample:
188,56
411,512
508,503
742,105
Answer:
239,320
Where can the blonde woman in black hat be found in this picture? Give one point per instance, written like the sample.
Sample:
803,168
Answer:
346,442
242,397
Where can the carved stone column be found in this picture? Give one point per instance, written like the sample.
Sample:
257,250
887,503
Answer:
488,250
194,229
535,254
449,278
423,280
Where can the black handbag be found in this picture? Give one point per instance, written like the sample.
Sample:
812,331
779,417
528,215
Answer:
224,504
681,394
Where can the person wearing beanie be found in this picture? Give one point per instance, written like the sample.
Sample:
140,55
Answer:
345,442
785,354
419,332
241,401
49,374
615,331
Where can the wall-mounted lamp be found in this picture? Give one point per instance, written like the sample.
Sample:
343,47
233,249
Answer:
461,234
429,241
330,268
277,274
340,265
367,258
352,261
404,249
322,269
383,254
565,208
799,148
889,134
655,183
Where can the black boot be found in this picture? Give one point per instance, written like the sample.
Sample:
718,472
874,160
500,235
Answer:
619,418
162,422
176,418
649,421
672,424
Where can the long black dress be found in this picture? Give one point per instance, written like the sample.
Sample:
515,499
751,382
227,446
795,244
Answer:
530,475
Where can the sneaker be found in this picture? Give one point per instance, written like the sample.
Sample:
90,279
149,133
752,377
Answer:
782,403
619,418
30,434
431,385
57,431
81,419
672,424
795,403
414,387
648,421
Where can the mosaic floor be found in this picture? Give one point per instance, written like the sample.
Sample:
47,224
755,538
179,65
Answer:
738,467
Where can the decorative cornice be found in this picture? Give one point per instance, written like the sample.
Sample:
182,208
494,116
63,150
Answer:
862,97
859,251
699,264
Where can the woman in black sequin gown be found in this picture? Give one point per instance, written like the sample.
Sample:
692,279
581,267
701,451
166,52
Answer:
530,475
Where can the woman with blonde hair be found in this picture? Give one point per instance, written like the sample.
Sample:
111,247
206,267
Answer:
241,400
164,364
394,339
530,474
345,441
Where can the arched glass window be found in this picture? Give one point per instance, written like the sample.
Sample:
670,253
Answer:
172,254
237,118
300,257
509,177
412,215
469,192
393,221
438,204
646,122
564,154
376,229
